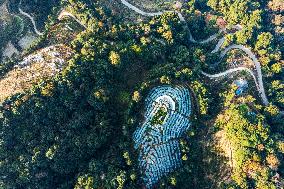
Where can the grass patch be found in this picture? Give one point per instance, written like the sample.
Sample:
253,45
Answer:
159,117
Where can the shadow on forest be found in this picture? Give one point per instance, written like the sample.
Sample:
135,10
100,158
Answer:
206,167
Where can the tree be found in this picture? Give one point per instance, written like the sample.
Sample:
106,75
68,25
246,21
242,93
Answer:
136,96
264,42
249,140
114,58
84,182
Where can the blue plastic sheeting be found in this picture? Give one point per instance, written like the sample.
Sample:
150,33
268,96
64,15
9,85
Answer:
242,86
159,144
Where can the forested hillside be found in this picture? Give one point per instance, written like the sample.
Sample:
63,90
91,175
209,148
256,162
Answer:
142,94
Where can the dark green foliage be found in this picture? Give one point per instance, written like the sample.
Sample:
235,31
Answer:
159,117
6,66
75,130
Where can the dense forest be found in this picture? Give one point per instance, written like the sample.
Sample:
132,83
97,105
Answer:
74,127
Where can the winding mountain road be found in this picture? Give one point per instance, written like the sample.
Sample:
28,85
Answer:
257,67
182,19
230,71
139,11
258,81
31,18
64,13
219,45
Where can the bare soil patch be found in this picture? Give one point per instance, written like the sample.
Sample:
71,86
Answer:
45,64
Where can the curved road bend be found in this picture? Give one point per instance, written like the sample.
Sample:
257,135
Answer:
31,18
65,13
259,84
257,67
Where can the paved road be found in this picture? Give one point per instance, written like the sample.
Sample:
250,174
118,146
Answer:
219,45
230,71
65,13
142,12
139,11
31,18
257,67
258,80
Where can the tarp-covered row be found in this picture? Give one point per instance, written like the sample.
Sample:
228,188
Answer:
159,144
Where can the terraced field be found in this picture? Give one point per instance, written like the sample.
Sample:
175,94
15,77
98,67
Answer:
166,120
